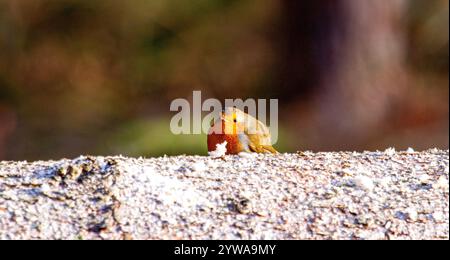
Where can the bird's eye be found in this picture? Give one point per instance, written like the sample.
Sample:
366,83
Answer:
235,120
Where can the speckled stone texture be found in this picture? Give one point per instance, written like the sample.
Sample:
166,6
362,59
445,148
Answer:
304,195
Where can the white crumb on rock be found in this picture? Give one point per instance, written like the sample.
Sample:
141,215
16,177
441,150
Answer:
221,150
441,183
424,178
438,216
411,213
364,182
390,151
199,166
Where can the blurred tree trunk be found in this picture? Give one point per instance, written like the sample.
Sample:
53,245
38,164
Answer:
347,57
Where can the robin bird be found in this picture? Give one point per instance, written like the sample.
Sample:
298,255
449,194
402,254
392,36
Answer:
241,132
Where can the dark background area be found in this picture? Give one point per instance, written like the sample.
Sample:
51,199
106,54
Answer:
97,77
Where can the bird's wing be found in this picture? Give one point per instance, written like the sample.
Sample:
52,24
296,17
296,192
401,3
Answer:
258,137
255,145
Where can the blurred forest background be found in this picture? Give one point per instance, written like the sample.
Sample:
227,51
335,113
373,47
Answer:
97,77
